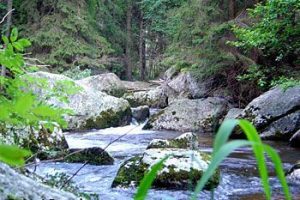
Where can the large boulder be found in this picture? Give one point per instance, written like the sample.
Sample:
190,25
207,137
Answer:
186,85
92,109
197,115
155,98
185,141
276,113
17,186
181,170
108,83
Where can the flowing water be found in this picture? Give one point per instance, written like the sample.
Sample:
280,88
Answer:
239,178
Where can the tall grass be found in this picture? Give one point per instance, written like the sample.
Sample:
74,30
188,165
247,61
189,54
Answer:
223,148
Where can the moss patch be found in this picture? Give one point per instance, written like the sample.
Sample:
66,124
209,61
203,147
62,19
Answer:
94,156
108,119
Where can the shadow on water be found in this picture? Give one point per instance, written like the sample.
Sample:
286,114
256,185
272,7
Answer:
239,179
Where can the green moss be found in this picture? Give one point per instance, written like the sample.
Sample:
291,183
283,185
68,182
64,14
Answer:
109,119
12,197
131,171
94,156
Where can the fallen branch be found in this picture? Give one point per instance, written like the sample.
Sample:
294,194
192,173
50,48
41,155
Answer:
3,19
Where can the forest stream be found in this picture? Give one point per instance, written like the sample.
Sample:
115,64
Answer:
239,178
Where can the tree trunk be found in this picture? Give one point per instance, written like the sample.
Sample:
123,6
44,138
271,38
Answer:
128,41
142,50
8,24
231,9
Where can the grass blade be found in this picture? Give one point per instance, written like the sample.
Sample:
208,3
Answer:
218,157
148,180
279,170
258,150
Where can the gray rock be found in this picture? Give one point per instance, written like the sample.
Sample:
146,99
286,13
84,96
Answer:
272,105
140,113
108,83
283,128
185,85
176,171
36,139
190,115
170,73
295,139
276,113
185,141
293,175
233,113
155,98
92,109
17,186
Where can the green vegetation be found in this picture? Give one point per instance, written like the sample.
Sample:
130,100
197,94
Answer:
223,148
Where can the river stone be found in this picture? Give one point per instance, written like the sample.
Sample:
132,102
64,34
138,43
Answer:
17,186
109,83
155,98
140,113
184,141
94,156
183,169
197,115
92,109
293,175
295,139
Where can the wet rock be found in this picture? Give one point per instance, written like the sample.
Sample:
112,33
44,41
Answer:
108,83
198,115
17,186
155,98
94,156
295,139
293,175
185,141
140,113
92,109
276,113
183,169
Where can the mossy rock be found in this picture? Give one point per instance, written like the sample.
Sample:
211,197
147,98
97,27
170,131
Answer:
184,141
94,156
107,119
180,171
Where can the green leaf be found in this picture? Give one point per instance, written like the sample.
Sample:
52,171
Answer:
5,40
18,46
12,155
148,180
24,42
14,35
